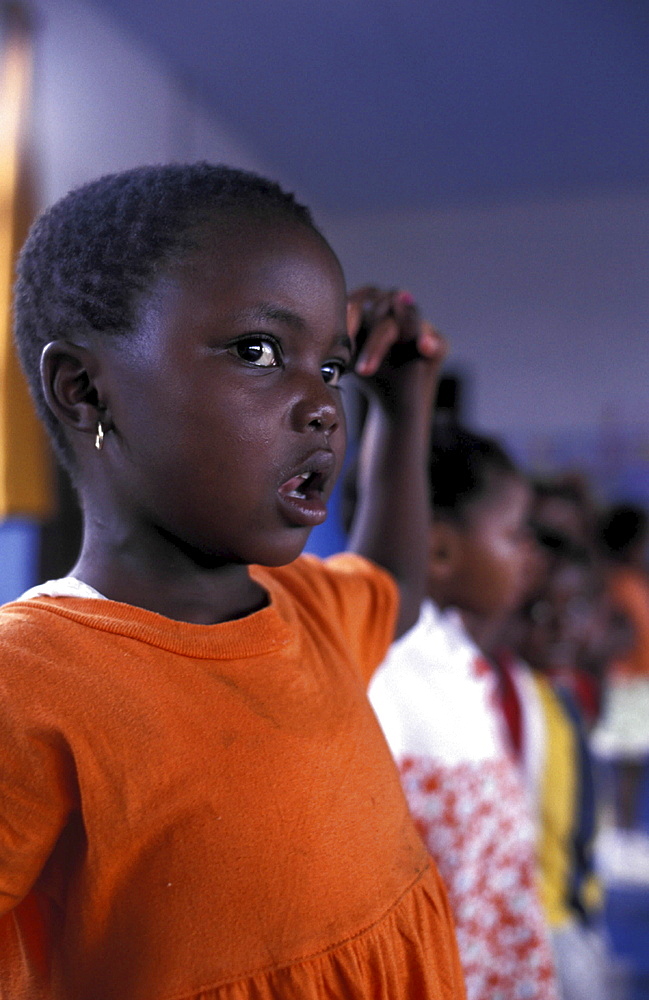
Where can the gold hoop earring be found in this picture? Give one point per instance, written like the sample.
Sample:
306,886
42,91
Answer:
99,440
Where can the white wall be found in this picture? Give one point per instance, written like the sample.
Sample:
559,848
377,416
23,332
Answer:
102,103
546,303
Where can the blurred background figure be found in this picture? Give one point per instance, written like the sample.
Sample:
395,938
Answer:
552,629
584,631
436,698
571,687
538,654
622,736
564,504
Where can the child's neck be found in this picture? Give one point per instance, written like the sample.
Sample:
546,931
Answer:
183,591
486,631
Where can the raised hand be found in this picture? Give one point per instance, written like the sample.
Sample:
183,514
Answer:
389,332
398,360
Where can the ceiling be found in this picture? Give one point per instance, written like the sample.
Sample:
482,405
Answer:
388,104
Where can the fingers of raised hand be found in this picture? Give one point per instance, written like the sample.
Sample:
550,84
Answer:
366,306
430,342
389,321
376,346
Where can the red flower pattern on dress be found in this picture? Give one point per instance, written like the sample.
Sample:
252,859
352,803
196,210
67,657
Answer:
469,815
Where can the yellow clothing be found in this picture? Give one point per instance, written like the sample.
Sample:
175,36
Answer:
558,791
193,812
567,885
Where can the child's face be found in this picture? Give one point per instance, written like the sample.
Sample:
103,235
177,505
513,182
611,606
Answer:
559,624
562,515
228,424
496,551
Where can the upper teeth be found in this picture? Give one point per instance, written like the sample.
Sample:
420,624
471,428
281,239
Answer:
302,477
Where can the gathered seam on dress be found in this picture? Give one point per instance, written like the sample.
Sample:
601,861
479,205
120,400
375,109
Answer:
240,977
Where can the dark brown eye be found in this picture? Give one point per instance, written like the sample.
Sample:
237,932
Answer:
333,371
258,351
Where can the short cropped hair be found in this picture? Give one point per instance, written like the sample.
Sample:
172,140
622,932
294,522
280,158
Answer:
465,469
92,254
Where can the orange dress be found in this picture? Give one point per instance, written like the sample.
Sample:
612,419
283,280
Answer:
192,812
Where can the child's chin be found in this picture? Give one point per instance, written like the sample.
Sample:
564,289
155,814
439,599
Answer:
285,554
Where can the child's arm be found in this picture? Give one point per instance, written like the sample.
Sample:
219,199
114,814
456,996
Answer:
398,367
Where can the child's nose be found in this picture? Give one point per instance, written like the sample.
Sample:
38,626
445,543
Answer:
316,408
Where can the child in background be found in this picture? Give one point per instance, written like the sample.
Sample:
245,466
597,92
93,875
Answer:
436,699
622,736
564,510
563,504
555,760
195,798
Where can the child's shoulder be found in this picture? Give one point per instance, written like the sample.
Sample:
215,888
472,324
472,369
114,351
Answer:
33,646
333,578
17,617
345,596
15,614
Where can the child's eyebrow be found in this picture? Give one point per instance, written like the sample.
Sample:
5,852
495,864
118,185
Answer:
290,318
277,313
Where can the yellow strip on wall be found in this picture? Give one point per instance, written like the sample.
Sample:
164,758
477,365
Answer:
25,476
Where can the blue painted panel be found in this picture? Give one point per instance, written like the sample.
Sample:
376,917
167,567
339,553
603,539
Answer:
18,557
329,538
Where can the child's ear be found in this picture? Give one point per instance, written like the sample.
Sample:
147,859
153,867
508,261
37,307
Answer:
68,373
444,551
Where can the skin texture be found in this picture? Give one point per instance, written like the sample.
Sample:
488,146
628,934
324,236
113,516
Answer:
228,391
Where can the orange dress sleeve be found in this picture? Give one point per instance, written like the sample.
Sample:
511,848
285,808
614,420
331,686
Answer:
346,594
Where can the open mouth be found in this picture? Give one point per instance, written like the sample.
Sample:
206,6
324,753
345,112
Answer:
303,495
303,486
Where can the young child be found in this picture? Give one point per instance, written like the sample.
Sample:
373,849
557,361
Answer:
556,763
563,511
195,798
621,739
436,699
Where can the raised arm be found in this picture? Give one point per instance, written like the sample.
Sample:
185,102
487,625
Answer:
398,363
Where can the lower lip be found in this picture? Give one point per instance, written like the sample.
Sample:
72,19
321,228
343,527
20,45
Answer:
303,512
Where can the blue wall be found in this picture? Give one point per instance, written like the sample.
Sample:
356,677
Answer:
18,557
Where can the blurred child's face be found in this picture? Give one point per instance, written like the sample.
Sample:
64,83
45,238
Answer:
562,515
559,623
496,551
228,424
